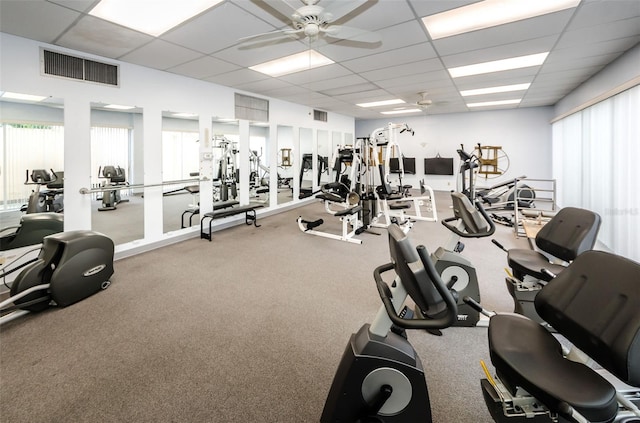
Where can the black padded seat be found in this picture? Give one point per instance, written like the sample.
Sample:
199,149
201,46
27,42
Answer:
568,234
532,359
327,196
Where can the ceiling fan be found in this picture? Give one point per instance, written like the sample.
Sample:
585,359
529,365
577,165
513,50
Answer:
311,21
424,103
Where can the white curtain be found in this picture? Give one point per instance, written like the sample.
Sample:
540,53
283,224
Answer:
26,147
179,155
595,161
109,147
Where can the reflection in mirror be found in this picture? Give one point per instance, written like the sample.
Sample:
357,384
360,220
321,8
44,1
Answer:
180,162
306,171
226,173
32,160
285,164
116,162
259,163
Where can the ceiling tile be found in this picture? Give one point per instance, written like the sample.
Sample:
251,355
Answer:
47,20
401,71
238,77
160,54
203,67
78,5
217,29
100,37
389,58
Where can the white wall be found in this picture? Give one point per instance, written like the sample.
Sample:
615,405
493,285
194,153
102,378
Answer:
524,135
153,91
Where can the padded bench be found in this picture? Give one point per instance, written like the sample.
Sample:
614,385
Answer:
249,217
216,206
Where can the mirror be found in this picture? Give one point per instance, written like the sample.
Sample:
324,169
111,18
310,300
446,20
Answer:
259,164
226,172
285,164
306,172
180,162
32,164
116,163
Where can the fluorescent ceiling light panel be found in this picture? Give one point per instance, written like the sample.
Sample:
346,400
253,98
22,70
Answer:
493,90
499,65
118,107
495,103
489,13
151,17
290,64
381,103
24,97
401,111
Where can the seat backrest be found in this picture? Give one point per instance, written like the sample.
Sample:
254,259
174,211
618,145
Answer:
569,233
409,268
595,304
41,176
473,221
114,173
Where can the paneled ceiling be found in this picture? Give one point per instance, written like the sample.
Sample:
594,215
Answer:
405,62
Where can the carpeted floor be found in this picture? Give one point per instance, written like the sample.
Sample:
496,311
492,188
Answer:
247,328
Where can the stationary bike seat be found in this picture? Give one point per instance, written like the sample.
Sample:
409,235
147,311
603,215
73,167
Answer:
532,359
529,262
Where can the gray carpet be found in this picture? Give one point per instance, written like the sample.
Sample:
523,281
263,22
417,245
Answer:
247,328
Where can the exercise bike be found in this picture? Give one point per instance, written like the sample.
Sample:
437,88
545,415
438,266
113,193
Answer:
458,273
571,232
594,304
115,177
70,267
48,200
380,377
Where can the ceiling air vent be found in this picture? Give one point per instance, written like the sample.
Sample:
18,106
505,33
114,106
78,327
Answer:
319,115
252,108
63,65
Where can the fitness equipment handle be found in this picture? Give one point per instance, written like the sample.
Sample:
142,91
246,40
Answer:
385,295
476,306
485,216
500,245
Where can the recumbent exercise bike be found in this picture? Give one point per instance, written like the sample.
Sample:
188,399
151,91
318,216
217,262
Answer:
380,377
595,305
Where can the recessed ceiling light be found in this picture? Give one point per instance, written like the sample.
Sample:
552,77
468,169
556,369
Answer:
184,115
495,103
25,97
401,111
488,13
381,103
499,65
118,107
492,90
290,64
151,17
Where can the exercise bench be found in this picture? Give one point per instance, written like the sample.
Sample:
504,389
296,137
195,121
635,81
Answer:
249,211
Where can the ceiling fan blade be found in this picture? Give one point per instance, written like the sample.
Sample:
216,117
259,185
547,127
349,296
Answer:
352,34
285,8
347,7
280,33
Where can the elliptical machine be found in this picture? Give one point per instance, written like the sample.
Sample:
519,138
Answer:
380,377
32,229
115,177
70,267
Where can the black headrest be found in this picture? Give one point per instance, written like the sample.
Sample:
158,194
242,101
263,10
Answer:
569,233
595,304
412,273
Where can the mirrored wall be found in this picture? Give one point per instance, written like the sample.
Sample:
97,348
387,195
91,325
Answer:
117,210
180,165
286,171
259,164
31,159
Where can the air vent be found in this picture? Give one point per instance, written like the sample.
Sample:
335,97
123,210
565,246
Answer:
252,108
63,65
319,115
